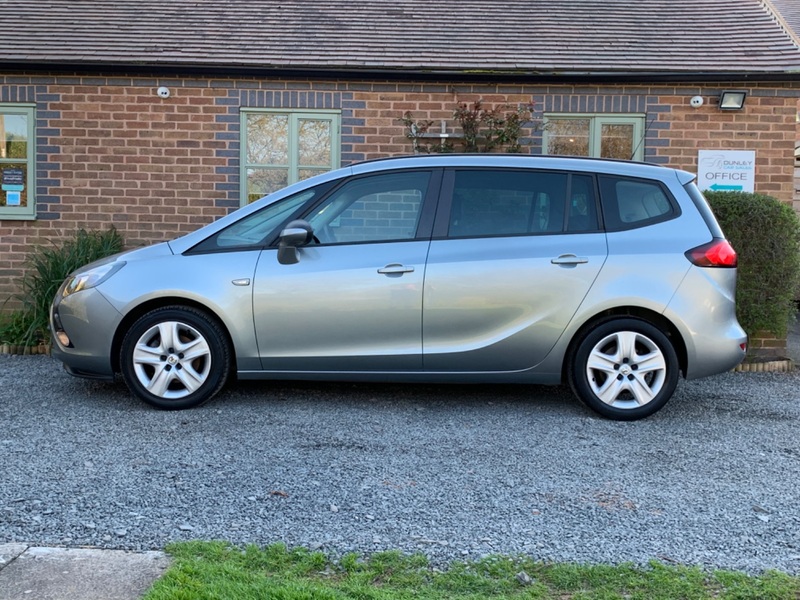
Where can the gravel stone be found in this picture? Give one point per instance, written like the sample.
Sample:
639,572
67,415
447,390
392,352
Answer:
713,479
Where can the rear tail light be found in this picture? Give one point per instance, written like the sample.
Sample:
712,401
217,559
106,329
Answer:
716,253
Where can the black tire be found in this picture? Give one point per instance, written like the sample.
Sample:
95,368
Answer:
175,357
624,369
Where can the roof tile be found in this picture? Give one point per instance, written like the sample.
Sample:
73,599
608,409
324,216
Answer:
536,36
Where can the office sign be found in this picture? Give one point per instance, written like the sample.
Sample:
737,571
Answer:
726,170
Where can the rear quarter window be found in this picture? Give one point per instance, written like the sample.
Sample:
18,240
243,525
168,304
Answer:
629,203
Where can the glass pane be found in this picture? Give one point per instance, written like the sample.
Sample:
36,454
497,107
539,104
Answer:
253,230
489,203
14,184
314,143
631,203
616,141
267,139
13,136
261,182
372,209
568,137
582,205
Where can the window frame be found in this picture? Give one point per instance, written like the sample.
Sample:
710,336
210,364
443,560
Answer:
294,115
596,122
28,212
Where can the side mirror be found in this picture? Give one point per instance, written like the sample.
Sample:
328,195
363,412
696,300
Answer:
297,233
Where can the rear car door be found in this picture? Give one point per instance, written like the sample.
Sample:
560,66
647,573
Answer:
514,253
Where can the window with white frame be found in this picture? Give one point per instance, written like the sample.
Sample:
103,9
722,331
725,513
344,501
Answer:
17,155
597,135
280,147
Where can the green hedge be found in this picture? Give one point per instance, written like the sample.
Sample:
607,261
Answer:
766,236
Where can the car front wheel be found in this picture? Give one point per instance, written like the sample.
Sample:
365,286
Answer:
624,369
175,357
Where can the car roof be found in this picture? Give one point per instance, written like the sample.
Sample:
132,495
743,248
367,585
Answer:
567,163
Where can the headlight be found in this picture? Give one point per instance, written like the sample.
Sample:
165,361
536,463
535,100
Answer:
84,280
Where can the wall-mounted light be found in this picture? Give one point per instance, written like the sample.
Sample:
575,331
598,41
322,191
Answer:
732,99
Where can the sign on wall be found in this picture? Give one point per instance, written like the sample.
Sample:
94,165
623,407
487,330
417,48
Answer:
726,170
12,182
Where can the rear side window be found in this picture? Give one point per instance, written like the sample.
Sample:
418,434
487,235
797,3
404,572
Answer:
506,202
487,203
629,203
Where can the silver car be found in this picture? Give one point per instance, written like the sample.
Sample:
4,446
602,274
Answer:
611,276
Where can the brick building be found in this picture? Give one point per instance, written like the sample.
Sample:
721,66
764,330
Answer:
157,117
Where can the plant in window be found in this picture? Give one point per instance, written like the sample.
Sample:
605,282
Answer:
16,147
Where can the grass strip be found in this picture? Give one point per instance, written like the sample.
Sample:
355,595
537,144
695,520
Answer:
221,571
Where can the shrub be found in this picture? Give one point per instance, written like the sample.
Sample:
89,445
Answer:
766,235
46,268
482,129
14,327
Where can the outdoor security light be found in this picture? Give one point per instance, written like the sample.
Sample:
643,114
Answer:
732,99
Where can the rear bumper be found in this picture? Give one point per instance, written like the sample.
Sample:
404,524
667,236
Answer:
704,311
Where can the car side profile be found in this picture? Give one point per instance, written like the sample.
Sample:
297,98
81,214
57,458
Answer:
611,276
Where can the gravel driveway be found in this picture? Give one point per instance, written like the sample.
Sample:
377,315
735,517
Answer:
451,471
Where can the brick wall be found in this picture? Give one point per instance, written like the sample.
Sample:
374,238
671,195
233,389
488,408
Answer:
111,152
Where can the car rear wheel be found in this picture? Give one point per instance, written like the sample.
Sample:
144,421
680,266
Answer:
624,369
175,357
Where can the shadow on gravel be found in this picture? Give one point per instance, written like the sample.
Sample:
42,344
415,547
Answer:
428,396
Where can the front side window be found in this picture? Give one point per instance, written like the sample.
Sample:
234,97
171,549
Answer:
283,147
377,208
599,136
17,162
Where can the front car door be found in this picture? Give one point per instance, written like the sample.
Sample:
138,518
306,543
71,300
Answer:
353,300
514,254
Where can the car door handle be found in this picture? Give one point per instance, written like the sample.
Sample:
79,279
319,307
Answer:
395,269
569,259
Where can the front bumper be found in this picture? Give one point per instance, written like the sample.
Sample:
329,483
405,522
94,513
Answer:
89,323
